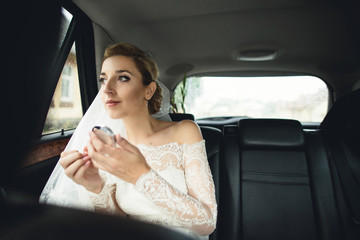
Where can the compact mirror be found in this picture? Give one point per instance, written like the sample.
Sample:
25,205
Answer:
105,134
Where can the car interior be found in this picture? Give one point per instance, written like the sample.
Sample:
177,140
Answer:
276,177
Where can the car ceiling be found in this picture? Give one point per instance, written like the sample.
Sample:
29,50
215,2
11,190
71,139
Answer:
204,36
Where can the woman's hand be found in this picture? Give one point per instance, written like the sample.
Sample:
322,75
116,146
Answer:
124,161
79,168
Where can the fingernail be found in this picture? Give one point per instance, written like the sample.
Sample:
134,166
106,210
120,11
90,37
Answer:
95,128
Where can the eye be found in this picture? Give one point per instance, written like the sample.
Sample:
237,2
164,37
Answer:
123,78
102,80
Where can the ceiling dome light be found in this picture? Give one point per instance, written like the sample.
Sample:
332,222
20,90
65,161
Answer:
256,55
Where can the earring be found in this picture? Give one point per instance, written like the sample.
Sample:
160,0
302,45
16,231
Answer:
146,102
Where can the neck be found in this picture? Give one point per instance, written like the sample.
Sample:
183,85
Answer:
139,127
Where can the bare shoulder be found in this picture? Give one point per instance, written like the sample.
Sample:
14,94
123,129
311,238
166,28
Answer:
187,132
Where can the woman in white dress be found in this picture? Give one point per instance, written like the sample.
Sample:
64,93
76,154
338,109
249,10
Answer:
158,171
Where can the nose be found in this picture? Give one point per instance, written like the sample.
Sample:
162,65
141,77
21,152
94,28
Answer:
108,87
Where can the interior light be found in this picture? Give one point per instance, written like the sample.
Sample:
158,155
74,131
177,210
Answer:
256,55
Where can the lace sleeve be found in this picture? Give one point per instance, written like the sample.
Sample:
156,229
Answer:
197,210
105,201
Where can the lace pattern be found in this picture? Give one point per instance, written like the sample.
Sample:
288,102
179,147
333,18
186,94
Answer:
164,156
186,200
195,210
102,201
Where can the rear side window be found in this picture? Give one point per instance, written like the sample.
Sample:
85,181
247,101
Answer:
304,98
65,111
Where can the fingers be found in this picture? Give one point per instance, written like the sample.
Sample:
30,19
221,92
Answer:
75,167
85,150
65,153
104,156
91,150
74,163
98,165
68,157
80,172
122,142
98,145
119,139
99,159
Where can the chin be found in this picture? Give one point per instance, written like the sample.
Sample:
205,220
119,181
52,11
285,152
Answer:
115,115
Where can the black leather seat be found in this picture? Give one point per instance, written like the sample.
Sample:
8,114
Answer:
344,115
341,133
176,117
267,189
213,142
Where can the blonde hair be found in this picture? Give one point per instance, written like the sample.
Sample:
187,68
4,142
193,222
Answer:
146,66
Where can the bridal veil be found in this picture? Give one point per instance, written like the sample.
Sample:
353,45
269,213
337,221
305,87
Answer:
61,190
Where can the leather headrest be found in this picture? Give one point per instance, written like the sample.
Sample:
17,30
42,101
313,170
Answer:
271,134
344,115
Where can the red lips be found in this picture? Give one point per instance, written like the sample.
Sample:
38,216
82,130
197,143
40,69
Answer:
111,103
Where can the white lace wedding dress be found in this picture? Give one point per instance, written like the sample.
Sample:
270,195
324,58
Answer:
178,192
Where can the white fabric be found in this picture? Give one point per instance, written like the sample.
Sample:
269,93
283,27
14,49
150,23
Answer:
178,192
163,114
61,190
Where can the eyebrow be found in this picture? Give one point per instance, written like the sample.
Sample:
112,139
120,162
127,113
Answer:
119,71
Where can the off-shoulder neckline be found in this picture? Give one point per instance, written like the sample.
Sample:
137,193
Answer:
142,145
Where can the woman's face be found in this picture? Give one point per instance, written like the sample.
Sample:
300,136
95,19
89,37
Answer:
122,91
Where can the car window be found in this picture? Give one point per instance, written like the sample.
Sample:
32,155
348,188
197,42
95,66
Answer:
304,98
65,110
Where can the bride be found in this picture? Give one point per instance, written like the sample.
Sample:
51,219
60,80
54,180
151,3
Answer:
156,172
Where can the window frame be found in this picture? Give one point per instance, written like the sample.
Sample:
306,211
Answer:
80,32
